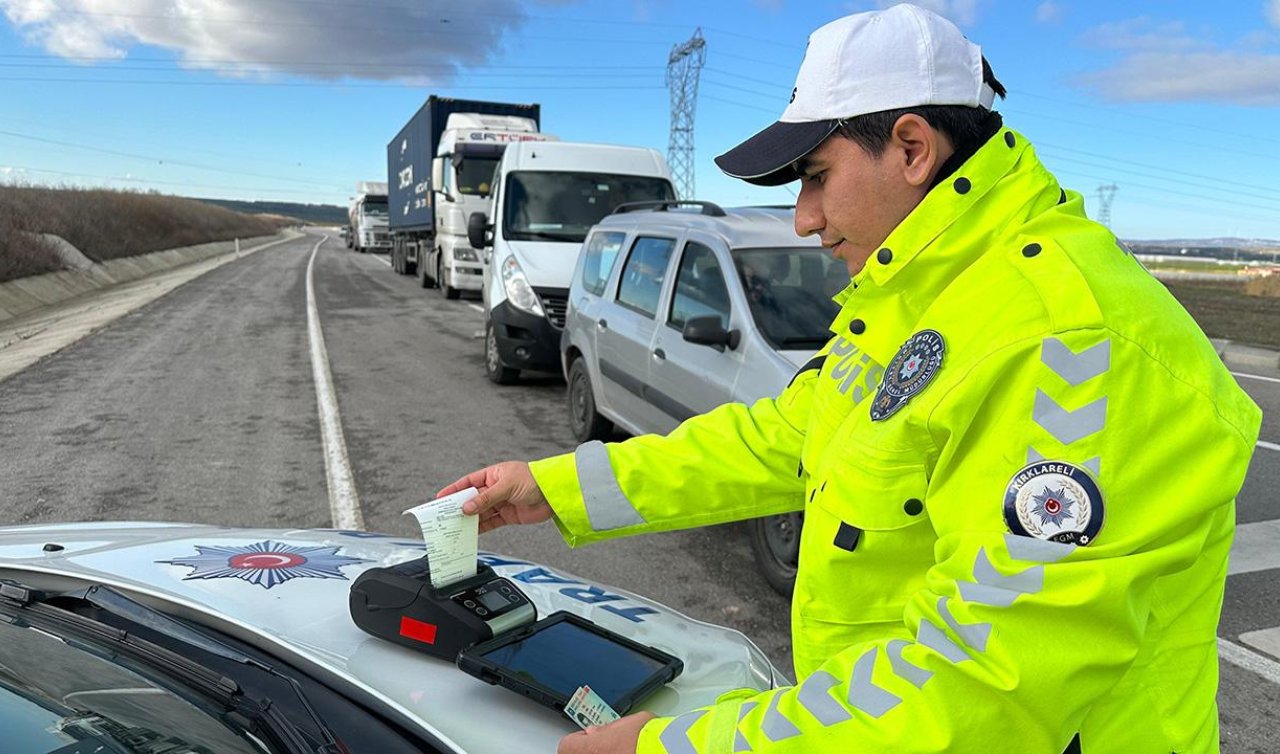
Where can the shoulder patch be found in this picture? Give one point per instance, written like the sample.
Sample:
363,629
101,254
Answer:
1055,501
910,371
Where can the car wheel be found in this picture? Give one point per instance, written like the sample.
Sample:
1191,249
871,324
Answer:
584,419
493,366
442,281
776,543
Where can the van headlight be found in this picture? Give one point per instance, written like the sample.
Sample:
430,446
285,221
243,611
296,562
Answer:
519,292
465,254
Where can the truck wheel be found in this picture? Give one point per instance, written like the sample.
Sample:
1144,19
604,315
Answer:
442,281
423,278
775,540
585,421
498,373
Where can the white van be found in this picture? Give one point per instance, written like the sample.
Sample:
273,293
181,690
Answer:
546,196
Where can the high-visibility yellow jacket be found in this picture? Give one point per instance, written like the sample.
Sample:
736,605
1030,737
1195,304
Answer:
1017,458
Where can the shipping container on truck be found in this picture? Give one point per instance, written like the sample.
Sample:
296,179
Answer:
439,170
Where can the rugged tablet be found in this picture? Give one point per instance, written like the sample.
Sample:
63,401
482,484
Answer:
547,661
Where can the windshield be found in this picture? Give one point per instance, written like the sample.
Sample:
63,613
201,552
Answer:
56,697
375,209
474,175
564,206
789,291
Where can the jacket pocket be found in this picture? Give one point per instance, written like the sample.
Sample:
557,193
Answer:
866,543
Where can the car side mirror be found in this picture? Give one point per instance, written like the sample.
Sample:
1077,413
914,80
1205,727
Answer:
709,331
478,228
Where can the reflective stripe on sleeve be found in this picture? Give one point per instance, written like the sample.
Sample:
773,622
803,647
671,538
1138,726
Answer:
815,696
740,743
607,508
675,737
865,695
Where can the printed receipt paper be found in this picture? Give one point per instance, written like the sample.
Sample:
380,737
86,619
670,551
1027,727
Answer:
450,537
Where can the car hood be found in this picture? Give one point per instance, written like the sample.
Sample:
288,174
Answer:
547,264
298,611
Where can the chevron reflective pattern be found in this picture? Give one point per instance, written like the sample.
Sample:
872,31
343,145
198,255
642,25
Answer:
675,737
1076,368
1069,426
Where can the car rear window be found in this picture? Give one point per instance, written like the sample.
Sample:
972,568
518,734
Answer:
642,276
598,256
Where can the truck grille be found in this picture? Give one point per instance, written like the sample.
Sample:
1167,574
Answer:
555,302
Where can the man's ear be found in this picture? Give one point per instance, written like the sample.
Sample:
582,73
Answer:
920,148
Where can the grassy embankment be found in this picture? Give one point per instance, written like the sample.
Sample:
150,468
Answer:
107,225
1244,312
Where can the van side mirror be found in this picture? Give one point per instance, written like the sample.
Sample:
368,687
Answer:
709,331
478,228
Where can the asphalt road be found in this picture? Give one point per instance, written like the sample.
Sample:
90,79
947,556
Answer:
201,407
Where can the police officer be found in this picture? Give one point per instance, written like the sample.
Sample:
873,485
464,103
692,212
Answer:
1017,456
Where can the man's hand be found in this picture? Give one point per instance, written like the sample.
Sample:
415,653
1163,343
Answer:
618,737
508,495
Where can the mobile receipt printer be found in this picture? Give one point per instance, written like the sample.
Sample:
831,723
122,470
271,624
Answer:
399,603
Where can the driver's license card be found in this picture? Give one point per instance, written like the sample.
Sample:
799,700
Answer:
586,708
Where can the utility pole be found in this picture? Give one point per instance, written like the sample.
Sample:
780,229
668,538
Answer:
684,65
1105,194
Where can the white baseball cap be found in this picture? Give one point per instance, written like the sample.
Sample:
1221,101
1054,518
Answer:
901,57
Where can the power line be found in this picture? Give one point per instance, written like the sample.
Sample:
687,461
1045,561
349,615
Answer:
303,84
161,160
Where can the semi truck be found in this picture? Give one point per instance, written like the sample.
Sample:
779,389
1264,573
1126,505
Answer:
367,218
440,169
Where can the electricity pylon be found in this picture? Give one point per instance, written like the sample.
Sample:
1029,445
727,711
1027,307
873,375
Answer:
1105,194
684,65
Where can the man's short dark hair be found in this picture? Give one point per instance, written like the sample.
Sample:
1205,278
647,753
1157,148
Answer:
967,127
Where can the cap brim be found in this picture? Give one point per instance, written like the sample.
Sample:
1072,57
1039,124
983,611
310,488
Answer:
767,159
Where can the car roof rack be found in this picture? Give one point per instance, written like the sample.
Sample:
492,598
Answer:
769,206
708,208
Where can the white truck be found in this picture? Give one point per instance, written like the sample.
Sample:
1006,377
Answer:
440,168
367,218
545,197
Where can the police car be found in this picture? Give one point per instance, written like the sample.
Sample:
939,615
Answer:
198,639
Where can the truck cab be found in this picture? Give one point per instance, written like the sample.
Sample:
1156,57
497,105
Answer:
545,198
369,220
461,174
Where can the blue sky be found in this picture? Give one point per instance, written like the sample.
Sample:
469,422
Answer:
1177,103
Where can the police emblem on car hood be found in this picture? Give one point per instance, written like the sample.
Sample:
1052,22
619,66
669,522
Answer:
265,563
1055,501
911,370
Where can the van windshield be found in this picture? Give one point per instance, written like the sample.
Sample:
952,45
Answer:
789,292
564,206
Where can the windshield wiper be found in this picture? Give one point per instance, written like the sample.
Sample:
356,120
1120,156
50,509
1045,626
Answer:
222,689
551,236
797,341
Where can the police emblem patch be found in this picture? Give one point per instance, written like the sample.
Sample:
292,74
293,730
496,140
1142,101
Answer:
911,370
266,564
1055,501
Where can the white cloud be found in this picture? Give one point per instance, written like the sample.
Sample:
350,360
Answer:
1048,12
1226,77
960,12
404,39
1164,61
1143,34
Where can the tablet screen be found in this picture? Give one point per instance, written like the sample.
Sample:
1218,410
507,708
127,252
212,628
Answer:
564,656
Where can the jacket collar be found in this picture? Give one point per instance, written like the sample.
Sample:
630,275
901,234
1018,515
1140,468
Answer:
948,231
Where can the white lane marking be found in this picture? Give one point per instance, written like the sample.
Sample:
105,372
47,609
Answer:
387,262
1249,660
1267,640
1255,377
1268,445
344,502
1256,547
477,307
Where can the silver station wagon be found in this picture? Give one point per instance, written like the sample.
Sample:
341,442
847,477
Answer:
676,307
